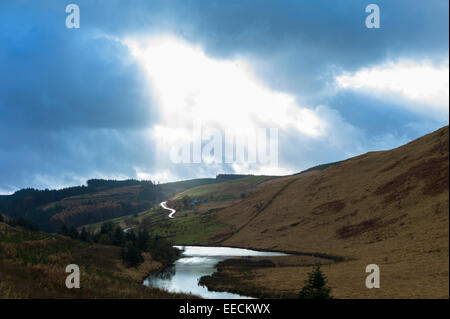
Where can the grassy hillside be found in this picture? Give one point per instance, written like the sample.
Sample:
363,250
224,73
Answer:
390,208
320,167
98,201
32,265
173,188
196,221
229,190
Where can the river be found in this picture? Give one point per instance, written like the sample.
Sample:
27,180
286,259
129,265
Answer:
198,261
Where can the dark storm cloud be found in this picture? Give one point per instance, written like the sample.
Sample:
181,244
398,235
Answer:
53,77
299,43
295,44
69,157
74,105
69,101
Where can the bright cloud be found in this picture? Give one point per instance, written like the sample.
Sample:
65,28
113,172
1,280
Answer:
189,86
192,89
164,176
423,84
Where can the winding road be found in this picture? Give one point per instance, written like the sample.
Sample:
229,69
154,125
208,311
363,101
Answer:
172,211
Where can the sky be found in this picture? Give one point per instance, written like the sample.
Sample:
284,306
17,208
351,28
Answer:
114,98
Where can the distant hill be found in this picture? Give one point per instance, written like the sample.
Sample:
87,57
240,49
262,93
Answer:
229,177
226,189
320,167
97,201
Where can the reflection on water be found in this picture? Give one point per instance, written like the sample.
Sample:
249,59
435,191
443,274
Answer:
196,262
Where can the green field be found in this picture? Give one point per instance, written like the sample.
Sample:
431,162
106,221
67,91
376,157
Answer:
127,221
192,228
195,224
229,190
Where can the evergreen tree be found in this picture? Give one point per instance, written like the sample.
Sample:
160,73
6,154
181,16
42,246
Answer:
119,237
134,256
106,228
142,240
104,239
64,230
73,232
130,236
25,223
315,285
85,236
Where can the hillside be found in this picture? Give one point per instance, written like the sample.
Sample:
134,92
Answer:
390,208
196,221
170,189
32,265
98,201
225,191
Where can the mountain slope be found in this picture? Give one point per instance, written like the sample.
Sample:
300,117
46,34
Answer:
32,265
389,208
98,201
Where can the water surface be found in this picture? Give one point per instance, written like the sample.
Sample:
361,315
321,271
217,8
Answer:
198,261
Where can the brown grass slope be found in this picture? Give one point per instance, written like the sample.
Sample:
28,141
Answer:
390,208
32,265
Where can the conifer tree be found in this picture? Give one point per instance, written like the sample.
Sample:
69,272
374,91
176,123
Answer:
316,285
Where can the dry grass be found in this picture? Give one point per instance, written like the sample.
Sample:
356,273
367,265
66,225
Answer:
32,265
390,208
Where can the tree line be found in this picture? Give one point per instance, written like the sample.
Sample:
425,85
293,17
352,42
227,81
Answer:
133,244
29,202
20,221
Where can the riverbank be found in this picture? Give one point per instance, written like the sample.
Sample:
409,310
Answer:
200,261
241,275
40,259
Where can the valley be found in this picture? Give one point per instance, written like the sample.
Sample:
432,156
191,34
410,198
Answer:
389,208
